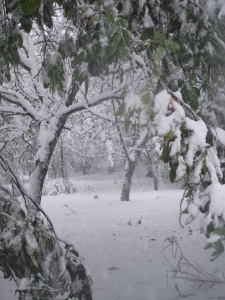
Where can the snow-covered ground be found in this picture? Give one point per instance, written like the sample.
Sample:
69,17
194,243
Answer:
122,242
125,258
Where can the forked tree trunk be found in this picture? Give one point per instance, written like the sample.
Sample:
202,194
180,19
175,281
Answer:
47,147
129,171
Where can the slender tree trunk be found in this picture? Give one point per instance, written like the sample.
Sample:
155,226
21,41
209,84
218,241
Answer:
42,160
152,166
129,171
62,162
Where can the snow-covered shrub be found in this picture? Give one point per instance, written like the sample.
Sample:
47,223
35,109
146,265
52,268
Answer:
39,263
59,186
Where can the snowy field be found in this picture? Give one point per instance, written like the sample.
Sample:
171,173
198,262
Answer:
122,243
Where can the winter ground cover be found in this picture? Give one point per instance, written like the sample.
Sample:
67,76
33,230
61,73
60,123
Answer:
122,243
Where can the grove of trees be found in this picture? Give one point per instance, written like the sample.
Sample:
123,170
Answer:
105,78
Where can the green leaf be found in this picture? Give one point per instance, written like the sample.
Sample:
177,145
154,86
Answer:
159,37
191,95
11,5
220,231
145,96
74,252
204,154
155,71
110,18
95,51
29,6
146,99
218,245
81,57
127,36
208,246
172,46
121,109
189,220
210,229
146,34
115,40
173,169
26,23
169,136
160,53
165,156
185,211
189,193
19,39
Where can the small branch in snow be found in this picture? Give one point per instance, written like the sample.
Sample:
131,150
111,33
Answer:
70,209
140,220
181,201
186,270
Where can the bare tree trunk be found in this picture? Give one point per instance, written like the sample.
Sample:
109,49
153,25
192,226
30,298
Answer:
42,160
129,171
62,162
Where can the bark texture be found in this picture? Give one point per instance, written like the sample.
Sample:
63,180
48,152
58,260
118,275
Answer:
129,171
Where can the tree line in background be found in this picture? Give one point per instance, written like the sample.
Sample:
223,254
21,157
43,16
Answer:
114,79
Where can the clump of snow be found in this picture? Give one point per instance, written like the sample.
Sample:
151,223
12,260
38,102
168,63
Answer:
217,203
197,172
83,68
132,101
23,284
193,209
211,7
212,171
104,41
53,59
213,158
161,102
197,140
89,12
213,238
175,148
165,122
219,134
147,19
222,11
181,169
126,7
141,4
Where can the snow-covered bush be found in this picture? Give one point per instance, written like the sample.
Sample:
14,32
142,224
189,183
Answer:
59,186
39,263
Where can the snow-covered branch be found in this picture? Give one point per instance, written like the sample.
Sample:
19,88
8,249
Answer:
19,100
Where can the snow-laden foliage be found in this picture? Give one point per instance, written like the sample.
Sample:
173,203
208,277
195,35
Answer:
59,186
41,265
193,156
